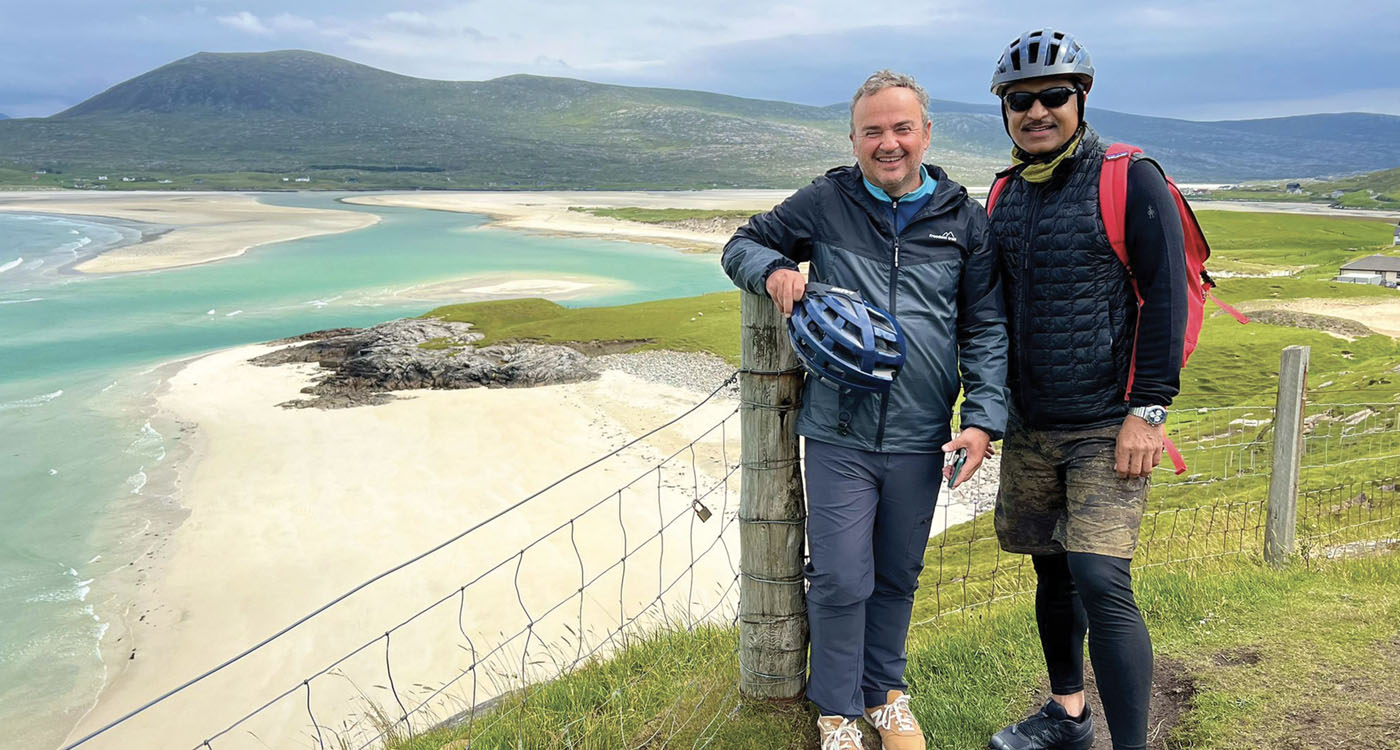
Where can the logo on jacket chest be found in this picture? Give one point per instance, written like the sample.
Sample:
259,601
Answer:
944,236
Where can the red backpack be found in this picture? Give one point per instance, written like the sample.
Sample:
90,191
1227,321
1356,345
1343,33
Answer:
1113,207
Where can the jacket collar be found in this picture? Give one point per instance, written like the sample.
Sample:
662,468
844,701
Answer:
946,195
1088,147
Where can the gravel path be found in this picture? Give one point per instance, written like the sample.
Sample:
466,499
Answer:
693,371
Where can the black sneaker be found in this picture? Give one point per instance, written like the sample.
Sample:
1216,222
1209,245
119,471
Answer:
1050,728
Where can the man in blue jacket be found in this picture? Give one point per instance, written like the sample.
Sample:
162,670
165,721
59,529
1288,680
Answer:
910,240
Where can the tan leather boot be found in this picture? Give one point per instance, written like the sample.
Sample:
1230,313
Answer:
898,728
838,733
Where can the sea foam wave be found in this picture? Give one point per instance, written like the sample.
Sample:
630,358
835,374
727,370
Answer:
20,301
29,403
149,442
12,264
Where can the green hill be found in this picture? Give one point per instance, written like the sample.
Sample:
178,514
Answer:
282,112
251,119
1372,190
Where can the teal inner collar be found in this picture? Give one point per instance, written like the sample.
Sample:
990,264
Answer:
925,187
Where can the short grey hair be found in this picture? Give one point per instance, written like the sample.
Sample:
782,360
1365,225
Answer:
885,79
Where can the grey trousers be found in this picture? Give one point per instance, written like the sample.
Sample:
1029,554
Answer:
868,518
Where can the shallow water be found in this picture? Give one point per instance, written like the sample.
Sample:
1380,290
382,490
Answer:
86,474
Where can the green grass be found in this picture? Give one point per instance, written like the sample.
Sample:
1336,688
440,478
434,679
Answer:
1267,651
1316,246
661,215
709,323
979,670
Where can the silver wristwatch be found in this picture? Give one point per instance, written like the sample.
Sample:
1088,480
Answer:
1153,415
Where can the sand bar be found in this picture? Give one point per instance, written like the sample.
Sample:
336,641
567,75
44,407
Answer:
1380,315
206,226
504,285
548,212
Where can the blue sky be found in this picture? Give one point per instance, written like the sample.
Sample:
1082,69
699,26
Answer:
1198,60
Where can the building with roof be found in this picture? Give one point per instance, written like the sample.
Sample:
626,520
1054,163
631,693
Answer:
1374,269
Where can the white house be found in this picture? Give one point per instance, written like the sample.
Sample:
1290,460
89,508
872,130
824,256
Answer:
1397,235
1375,269
303,179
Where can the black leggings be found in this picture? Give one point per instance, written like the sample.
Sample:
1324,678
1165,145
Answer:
1079,592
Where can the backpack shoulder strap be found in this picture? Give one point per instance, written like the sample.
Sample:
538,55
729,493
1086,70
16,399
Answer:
1113,197
997,187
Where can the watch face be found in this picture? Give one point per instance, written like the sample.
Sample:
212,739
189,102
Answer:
1156,415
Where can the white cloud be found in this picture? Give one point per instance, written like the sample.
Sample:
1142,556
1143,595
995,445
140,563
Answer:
245,21
278,24
286,22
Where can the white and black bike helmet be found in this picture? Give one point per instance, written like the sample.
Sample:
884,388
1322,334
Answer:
1041,53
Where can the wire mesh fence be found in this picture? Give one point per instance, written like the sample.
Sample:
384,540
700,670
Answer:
623,573
1213,510
592,571
1348,502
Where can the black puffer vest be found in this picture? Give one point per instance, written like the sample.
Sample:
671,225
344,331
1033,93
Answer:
1070,307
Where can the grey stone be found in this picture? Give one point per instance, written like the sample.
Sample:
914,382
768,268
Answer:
362,365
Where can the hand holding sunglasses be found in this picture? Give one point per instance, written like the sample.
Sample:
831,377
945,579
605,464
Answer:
1052,98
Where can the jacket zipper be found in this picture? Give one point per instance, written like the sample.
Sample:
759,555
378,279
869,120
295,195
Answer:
894,281
1034,201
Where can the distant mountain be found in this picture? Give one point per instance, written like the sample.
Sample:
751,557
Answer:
4,116
303,112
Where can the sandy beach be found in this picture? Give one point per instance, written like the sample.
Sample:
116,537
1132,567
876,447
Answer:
1381,316
548,212
289,508
203,227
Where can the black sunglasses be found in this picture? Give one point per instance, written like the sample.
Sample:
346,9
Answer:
1020,101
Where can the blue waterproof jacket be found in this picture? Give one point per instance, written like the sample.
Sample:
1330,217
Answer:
938,276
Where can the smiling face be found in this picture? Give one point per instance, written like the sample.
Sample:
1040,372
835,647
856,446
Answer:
889,136
1039,130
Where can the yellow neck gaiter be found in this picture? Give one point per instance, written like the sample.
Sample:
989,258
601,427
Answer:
1040,171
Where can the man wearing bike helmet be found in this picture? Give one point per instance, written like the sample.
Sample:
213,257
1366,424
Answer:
1080,443
908,240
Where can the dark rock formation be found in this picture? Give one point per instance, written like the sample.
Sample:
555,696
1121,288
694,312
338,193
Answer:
361,365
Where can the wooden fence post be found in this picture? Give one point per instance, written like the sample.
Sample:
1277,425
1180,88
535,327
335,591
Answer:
772,518
1282,523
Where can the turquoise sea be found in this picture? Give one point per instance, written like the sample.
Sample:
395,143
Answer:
87,474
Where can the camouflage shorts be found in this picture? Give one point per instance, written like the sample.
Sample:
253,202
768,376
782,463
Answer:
1059,493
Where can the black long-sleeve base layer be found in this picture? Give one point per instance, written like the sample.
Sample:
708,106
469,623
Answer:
1079,592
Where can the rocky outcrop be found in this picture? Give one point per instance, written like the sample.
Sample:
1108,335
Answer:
361,366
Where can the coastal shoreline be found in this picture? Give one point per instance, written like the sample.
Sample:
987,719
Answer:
207,584
355,473
185,229
548,212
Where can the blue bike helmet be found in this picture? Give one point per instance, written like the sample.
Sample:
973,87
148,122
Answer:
845,342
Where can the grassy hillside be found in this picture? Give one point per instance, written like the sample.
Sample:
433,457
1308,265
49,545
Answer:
294,113
1379,190
1256,658
1247,656
1312,246
1241,242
